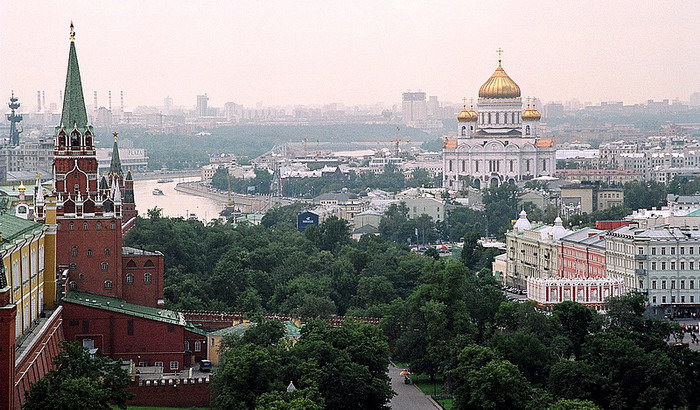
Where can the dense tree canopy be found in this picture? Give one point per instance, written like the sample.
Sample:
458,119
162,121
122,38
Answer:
79,381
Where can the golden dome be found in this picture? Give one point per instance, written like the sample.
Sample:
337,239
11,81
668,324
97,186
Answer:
531,114
467,115
499,85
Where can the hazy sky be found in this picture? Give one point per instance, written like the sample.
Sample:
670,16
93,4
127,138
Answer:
354,51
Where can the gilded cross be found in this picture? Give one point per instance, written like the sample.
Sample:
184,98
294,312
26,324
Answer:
465,101
72,32
500,52
116,134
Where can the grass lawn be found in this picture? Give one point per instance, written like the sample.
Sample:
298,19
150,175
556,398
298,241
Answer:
446,404
425,385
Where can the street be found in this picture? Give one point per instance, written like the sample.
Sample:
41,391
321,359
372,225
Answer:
408,396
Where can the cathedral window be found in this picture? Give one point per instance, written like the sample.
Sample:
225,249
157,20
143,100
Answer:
104,266
147,278
74,251
464,130
527,165
450,165
527,130
510,165
108,284
512,117
464,165
129,278
497,118
489,118
476,165
544,165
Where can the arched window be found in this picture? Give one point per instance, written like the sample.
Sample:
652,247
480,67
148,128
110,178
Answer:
98,226
131,265
512,117
147,278
129,278
71,226
148,264
108,284
527,130
464,130
89,252
85,226
74,251
489,118
112,225
76,187
73,285
107,252
58,226
104,265
471,128
498,116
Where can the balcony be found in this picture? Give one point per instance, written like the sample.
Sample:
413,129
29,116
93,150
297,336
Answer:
640,257
640,272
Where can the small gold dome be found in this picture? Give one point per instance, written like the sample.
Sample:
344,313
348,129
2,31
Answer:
499,85
531,114
467,115
21,187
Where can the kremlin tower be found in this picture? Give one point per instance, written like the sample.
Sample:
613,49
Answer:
93,212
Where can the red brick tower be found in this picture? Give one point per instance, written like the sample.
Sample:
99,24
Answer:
89,216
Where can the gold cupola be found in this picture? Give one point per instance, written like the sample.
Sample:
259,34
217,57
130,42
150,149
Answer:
499,85
467,115
531,113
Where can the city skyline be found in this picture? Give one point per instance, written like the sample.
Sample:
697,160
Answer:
358,54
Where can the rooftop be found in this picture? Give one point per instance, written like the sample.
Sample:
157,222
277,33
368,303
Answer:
127,250
120,306
12,227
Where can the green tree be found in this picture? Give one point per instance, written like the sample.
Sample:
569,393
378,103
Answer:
79,381
568,404
496,385
577,321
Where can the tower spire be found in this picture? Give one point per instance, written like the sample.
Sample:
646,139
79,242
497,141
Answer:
115,167
74,112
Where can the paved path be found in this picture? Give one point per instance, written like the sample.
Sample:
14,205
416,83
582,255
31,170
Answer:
408,396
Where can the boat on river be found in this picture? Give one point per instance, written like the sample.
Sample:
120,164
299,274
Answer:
165,180
158,192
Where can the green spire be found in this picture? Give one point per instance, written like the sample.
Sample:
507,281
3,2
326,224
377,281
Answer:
74,111
115,167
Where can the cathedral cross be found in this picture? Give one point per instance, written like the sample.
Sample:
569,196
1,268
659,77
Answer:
500,52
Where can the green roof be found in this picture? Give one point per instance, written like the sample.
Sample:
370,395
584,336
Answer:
121,306
12,227
290,330
74,112
694,213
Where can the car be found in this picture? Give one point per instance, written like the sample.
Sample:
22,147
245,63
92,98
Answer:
205,366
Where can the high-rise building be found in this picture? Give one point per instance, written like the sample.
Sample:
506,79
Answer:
167,104
414,109
202,103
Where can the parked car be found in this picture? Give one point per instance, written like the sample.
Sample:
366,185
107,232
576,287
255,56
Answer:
205,366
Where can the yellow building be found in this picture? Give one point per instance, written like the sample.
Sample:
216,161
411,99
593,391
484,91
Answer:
28,251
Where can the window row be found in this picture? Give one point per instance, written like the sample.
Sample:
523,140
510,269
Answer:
681,282
682,265
74,252
664,299
74,266
147,278
98,226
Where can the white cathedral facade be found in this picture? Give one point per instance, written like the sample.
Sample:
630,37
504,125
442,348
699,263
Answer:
498,142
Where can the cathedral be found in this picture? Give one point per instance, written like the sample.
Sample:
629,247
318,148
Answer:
497,142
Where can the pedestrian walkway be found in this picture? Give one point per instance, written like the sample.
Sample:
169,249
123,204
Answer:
408,396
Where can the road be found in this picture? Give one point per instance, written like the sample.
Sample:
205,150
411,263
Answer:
408,396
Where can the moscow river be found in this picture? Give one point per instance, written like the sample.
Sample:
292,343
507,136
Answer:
174,204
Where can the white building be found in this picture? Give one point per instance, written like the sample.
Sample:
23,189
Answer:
663,262
498,142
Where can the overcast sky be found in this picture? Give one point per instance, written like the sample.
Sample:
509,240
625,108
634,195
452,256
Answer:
354,51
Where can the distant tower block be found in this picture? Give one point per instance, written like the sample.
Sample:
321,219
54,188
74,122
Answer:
38,101
109,100
122,102
14,119
43,100
60,98
95,107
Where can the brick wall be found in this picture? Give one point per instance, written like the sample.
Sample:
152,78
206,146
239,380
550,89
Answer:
193,392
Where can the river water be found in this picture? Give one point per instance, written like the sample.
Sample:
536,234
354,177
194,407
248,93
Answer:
174,204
